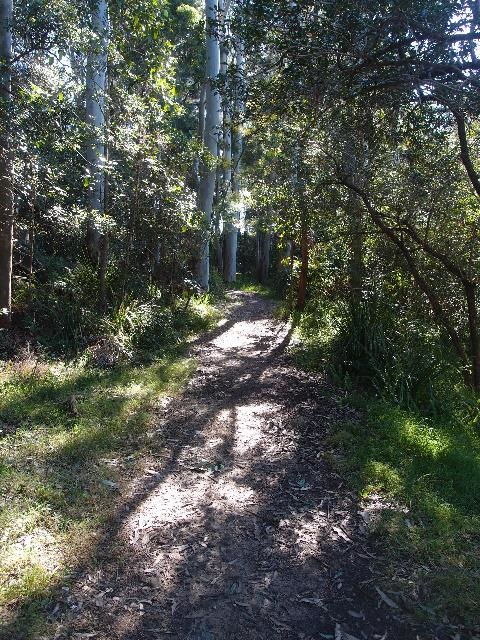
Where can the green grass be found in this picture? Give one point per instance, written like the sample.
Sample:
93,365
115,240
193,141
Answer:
57,466
424,459
430,468
249,285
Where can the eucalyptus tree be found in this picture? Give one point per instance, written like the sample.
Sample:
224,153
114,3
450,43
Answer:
6,176
235,157
155,63
95,95
223,178
208,171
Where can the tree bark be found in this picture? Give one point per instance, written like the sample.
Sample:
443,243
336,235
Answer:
224,172
231,230
201,112
292,288
284,254
212,123
6,173
95,116
356,266
465,152
201,135
218,243
353,167
102,270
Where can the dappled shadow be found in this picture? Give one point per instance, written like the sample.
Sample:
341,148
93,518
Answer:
72,442
238,528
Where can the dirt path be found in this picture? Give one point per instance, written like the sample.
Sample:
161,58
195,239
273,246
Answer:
239,528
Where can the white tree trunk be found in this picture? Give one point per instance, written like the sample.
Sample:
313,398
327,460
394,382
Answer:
201,112
227,149
95,113
231,232
6,174
201,135
230,244
227,133
212,129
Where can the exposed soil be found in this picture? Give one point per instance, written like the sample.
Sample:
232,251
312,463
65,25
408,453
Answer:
239,528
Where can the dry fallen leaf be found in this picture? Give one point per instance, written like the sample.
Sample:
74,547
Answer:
343,635
316,601
154,581
100,599
341,533
355,614
386,599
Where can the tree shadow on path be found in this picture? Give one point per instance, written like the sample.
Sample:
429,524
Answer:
239,529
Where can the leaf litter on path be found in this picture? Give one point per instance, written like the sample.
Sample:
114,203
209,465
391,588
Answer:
237,527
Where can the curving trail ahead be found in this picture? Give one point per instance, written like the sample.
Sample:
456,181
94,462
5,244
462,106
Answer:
239,528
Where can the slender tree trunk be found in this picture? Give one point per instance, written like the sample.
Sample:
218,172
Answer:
284,251
218,243
353,167
156,262
33,222
201,135
439,313
201,111
292,288
464,151
304,255
223,180
31,243
131,225
231,231
6,173
356,266
212,124
95,114
102,270
218,200
104,249
230,252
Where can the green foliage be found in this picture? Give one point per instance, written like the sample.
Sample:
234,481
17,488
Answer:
373,348
151,327
354,113
247,283
217,288
155,65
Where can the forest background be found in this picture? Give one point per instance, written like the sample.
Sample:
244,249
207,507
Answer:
154,153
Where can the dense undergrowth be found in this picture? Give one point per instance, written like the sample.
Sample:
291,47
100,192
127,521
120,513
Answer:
64,426
414,449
